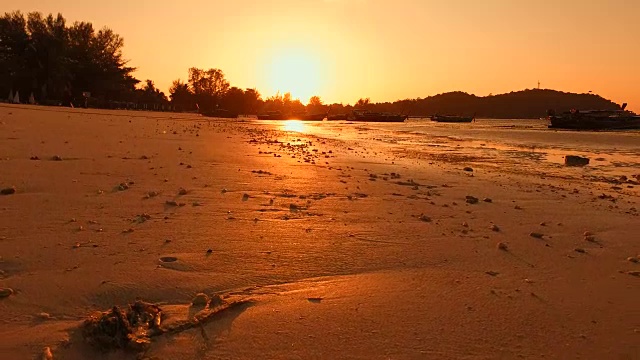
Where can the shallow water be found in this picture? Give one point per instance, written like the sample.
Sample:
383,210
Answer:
524,146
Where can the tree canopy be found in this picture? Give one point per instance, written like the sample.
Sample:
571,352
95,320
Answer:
46,57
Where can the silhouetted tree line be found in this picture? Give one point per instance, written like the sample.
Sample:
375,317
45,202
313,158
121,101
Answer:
56,62
60,63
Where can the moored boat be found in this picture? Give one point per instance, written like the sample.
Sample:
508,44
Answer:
219,113
336,117
271,115
452,118
595,119
368,116
313,117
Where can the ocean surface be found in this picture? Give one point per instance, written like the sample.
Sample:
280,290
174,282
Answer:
517,145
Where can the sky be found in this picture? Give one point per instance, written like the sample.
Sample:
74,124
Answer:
386,50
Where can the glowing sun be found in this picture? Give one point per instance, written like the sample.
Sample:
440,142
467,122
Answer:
297,71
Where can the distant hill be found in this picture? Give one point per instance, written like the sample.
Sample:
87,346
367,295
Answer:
514,105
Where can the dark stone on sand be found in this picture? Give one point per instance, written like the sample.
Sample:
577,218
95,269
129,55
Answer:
468,169
536,235
487,200
572,160
34,158
168,259
502,246
56,158
200,299
5,292
471,199
8,191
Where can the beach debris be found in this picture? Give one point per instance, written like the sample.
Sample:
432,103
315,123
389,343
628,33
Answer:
142,218
315,300
200,299
536,235
44,316
46,354
471,199
118,328
122,187
56,158
224,191
168,259
468,169
424,218
495,228
517,207
8,191
573,160
502,246
6,292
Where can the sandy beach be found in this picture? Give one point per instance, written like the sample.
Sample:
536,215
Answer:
340,240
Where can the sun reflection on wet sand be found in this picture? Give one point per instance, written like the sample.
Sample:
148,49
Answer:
294,125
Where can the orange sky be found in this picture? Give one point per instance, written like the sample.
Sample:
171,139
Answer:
385,50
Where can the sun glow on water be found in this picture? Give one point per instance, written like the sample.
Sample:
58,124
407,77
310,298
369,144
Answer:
294,126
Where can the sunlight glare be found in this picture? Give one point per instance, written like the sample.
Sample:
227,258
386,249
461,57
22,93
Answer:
297,71
294,126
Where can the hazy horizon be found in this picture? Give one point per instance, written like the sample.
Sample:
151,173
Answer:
345,49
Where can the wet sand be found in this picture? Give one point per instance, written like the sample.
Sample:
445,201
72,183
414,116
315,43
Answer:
364,242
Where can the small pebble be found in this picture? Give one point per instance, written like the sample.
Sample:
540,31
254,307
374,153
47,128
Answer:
536,235
200,299
495,228
502,246
5,292
47,354
8,191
